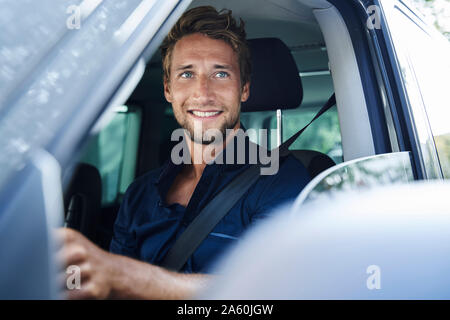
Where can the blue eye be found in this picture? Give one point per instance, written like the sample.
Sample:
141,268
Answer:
186,74
222,74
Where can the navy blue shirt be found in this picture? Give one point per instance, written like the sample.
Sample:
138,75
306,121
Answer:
147,227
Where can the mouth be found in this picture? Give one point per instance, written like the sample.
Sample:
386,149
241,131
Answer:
209,114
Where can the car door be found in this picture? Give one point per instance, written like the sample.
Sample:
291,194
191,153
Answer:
64,67
411,72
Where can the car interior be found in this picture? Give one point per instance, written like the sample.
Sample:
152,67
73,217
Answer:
302,53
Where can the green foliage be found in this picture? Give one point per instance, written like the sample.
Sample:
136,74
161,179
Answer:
436,12
443,147
323,135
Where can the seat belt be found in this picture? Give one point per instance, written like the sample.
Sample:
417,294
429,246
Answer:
208,218
219,206
284,147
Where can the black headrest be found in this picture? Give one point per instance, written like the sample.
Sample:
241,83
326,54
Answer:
275,82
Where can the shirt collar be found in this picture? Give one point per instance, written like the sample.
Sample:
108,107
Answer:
233,157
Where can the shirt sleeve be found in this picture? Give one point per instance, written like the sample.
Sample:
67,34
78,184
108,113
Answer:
280,188
124,239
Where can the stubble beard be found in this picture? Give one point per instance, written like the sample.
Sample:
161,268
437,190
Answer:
202,137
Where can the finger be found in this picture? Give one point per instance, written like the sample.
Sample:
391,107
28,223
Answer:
71,254
61,234
65,283
87,291
68,235
66,280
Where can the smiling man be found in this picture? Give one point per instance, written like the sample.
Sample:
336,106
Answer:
206,64
203,83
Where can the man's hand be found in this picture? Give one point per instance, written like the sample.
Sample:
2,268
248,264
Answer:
96,265
106,275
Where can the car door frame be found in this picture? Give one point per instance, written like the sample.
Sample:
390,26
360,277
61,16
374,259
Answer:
403,114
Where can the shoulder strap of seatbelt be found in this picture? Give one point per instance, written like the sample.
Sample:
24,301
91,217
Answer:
284,147
219,206
208,218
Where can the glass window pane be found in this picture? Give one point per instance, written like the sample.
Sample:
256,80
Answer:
360,174
322,135
62,72
425,65
431,61
113,151
26,37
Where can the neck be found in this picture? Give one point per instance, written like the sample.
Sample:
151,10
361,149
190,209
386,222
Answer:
201,154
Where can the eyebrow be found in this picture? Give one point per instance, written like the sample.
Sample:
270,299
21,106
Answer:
220,66
216,66
185,67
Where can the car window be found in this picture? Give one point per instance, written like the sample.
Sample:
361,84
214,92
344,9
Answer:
322,135
26,37
62,88
359,174
429,58
113,151
423,56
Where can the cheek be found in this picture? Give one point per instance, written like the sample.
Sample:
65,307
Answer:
228,93
179,94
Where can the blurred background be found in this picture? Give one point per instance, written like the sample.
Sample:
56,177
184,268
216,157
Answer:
436,12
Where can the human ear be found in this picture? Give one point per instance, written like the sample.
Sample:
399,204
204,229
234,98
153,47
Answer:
245,92
167,91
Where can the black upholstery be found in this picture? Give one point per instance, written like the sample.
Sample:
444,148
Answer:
275,82
315,162
83,200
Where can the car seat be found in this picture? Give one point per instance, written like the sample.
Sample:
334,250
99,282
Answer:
276,85
82,200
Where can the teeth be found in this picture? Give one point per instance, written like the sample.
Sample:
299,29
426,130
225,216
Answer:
205,114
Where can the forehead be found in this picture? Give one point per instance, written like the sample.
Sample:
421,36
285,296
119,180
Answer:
198,48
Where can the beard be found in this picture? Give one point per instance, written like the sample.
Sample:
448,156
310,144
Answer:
200,135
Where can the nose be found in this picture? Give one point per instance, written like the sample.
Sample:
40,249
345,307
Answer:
203,92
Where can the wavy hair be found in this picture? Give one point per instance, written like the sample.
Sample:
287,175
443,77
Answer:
214,24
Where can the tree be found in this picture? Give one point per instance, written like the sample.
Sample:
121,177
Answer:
436,12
